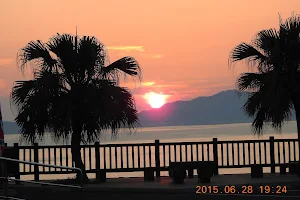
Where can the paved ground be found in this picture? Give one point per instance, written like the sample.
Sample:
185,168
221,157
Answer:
221,187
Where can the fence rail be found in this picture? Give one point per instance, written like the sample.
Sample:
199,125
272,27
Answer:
5,161
137,157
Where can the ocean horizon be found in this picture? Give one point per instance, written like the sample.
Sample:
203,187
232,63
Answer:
196,133
234,131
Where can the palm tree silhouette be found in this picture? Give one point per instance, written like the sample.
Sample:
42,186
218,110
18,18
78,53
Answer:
274,86
74,92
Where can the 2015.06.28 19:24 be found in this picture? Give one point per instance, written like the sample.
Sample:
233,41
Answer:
279,189
227,189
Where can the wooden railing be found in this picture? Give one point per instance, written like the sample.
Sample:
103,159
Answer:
137,157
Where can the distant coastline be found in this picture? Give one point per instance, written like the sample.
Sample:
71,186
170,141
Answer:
13,128
214,109
211,110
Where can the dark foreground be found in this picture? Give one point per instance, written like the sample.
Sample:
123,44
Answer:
163,188
47,193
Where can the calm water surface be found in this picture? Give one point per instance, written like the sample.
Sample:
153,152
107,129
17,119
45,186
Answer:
176,134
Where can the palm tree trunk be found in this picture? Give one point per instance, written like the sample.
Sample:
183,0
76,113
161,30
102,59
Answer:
76,153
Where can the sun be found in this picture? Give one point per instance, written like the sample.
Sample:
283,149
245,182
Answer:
155,100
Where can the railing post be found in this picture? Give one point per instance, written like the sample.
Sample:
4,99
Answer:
36,159
157,158
272,155
5,175
215,152
17,165
97,159
3,170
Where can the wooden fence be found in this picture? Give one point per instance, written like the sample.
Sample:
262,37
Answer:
157,155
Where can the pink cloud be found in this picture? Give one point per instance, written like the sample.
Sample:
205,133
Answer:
5,61
154,56
176,91
126,48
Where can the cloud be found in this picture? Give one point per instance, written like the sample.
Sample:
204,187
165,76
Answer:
126,48
177,90
141,49
151,86
174,85
187,89
148,95
149,83
137,85
154,56
180,89
5,61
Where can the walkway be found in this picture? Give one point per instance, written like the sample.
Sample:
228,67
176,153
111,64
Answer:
162,187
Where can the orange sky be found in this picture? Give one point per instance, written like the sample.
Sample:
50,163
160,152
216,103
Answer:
182,46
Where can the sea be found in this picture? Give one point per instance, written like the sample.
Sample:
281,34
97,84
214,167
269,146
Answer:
195,133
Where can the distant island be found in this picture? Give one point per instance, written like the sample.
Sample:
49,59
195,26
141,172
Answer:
222,108
10,127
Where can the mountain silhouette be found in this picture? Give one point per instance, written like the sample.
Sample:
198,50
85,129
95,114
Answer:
10,127
222,108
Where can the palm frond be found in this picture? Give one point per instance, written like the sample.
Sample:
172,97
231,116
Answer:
267,105
38,52
34,99
259,122
253,103
267,41
91,57
292,24
80,93
21,91
247,52
60,115
290,42
107,107
123,113
250,82
258,107
128,65
281,107
63,46
273,87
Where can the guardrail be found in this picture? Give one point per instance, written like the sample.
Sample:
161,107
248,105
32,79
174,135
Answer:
137,157
4,160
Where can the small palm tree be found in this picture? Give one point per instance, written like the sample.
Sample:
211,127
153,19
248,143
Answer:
74,93
274,86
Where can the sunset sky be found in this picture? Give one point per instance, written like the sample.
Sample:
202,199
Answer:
182,46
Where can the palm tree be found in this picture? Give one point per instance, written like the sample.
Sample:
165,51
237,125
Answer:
74,93
274,85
